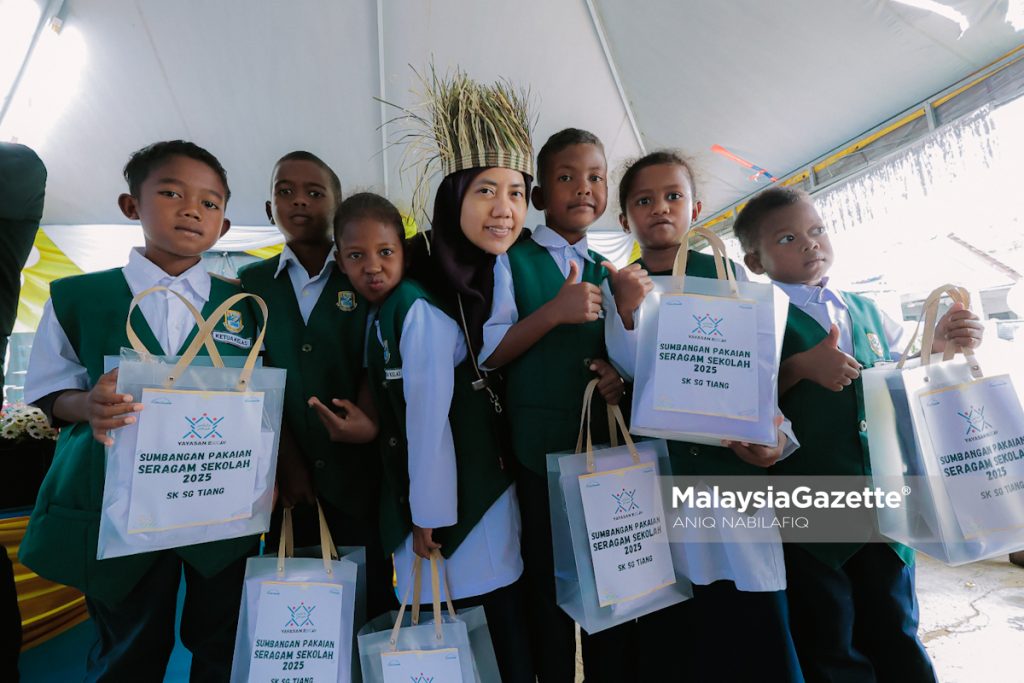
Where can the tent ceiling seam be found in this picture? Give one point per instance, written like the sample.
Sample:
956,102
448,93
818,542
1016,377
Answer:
610,61
163,71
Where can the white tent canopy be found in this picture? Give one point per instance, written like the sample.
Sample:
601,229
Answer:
777,83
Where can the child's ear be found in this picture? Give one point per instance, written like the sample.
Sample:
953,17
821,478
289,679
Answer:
753,263
696,211
129,206
225,227
624,222
537,195
270,213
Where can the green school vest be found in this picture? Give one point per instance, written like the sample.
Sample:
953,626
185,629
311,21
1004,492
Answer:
61,540
694,459
482,477
324,358
544,386
830,425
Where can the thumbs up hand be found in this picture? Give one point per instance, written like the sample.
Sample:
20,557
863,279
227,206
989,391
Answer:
629,286
826,365
576,301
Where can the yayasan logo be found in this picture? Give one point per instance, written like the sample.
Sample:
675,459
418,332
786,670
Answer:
301,616
707,325
203,427
625,502
976,422
422,678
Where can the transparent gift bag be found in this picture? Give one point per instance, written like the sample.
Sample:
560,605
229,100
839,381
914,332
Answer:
708,353
297,613
455,648
950,438
613,561
198,464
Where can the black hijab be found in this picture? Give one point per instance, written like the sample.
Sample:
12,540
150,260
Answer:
457,268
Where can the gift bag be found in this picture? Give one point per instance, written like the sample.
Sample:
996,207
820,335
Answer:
198,465
708,355
613,562
454,648
296,616
950,437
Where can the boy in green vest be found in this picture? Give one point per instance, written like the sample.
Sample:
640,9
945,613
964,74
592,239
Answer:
178,191
546,330
318,338
853,610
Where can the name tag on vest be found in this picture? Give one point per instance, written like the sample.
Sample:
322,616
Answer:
233,339
392,373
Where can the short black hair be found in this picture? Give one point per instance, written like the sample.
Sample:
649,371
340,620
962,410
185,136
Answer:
747,226
559,141
661,156
142,163
368,205
301,155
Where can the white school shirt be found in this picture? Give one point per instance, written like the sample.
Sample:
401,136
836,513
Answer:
307,289
827,307
54,365
753,567
431,347
505,313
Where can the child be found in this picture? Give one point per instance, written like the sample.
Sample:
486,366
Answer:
178,191
657,204
317,336
441,490
544,331
852,606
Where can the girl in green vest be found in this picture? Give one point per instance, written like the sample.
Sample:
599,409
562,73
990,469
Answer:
444,485
732,581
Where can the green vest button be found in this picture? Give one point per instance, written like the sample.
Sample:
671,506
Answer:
694,450
863,426
320,464
392,442
307,348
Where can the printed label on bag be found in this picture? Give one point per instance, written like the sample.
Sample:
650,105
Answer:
195,458
626,532
297,630
422,666
706,360
977,434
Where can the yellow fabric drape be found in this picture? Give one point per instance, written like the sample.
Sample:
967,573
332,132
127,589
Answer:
36,279
47,609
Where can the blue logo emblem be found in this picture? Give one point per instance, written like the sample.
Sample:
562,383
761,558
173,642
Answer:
347,301
203,427
624,501
233,321
707,325
976,421
300,616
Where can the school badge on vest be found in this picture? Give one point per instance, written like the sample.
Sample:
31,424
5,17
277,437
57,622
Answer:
875,343
233,321
347,301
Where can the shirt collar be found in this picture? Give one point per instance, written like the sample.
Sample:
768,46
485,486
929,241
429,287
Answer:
804,295
288,257
141,274
549,239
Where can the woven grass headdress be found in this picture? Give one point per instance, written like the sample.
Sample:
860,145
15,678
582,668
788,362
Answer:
464,124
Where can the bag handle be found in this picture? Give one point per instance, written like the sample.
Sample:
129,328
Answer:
436,583
723,266
959,295
286,546
614,418
137,344
207,329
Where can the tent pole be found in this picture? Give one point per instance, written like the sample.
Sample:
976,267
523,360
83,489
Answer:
382,94
53,8
610,61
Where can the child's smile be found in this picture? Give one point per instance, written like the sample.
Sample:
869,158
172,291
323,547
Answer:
573,192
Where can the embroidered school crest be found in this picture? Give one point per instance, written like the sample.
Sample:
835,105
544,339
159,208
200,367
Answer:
387,351
347,301
875,343
233,321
